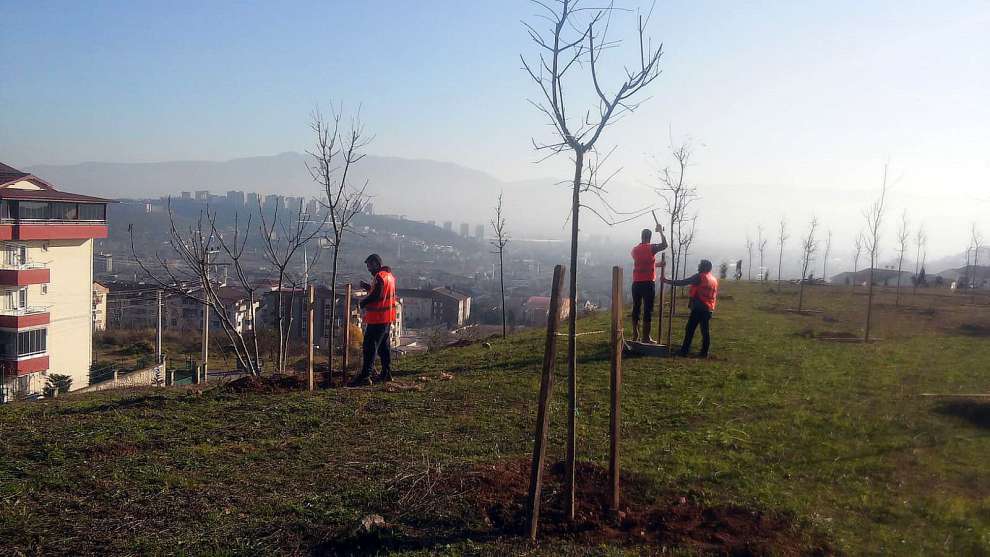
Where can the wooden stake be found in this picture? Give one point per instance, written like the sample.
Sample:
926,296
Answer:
543,410
663,273
310,309
347,328
616,384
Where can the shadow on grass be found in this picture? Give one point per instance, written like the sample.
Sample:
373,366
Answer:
975,412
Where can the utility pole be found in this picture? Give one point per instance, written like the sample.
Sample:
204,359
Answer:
206,321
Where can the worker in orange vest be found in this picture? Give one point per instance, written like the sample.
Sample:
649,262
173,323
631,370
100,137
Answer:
644,289
701,301
379,313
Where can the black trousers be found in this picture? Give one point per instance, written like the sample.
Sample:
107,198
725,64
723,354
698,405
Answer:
376,341
700,315
643,294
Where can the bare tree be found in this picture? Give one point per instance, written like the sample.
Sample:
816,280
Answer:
749,262
677,195
903,236
191,276
335,153
920,240
761,245
858,244
874,221
499,242
977,239
782,237
828,251
577,39
809,245
282,241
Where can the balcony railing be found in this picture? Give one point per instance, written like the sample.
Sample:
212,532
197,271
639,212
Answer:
27,310
26,266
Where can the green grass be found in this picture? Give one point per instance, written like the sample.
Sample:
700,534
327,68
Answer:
833,434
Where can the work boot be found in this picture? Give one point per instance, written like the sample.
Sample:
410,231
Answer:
385,377
646,333
635,335
363,380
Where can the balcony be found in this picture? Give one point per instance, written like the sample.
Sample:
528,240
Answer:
19,318
23,366
24,274
51,220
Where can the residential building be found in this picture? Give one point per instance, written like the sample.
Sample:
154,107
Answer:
100,306
202,195
432,307
131,305
465,230
103,263
479,232
185,313
46,282
536,309
235,198
454,307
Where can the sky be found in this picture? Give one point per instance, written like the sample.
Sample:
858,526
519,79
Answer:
793,108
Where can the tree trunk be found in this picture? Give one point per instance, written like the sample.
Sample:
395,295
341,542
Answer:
333,311
801,293
869,305
897,296
501,280
572,339
780,262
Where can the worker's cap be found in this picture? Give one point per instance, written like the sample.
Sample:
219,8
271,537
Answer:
377,259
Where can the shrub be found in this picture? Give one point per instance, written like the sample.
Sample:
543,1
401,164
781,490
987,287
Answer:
57,382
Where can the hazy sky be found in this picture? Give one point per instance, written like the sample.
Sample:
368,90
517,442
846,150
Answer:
794,106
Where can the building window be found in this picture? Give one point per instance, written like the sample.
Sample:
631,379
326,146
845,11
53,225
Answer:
33,210
23,343
44,289
92,211
14,254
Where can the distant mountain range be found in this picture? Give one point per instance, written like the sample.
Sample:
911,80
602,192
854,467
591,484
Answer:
420,189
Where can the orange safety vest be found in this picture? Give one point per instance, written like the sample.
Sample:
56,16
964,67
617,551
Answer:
382,311
706,292
644,263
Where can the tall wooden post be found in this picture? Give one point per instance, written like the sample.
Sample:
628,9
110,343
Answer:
310,307
158,343
206,341
663,273
616,384
543,410
347,328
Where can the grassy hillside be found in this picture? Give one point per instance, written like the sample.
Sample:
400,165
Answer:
781,443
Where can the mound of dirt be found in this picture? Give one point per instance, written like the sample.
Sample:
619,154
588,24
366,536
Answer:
501,493
975,329
267,384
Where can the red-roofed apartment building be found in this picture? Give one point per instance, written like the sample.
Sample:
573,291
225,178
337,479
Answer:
46,282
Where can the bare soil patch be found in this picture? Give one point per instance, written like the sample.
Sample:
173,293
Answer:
975,329
266,384
672,519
